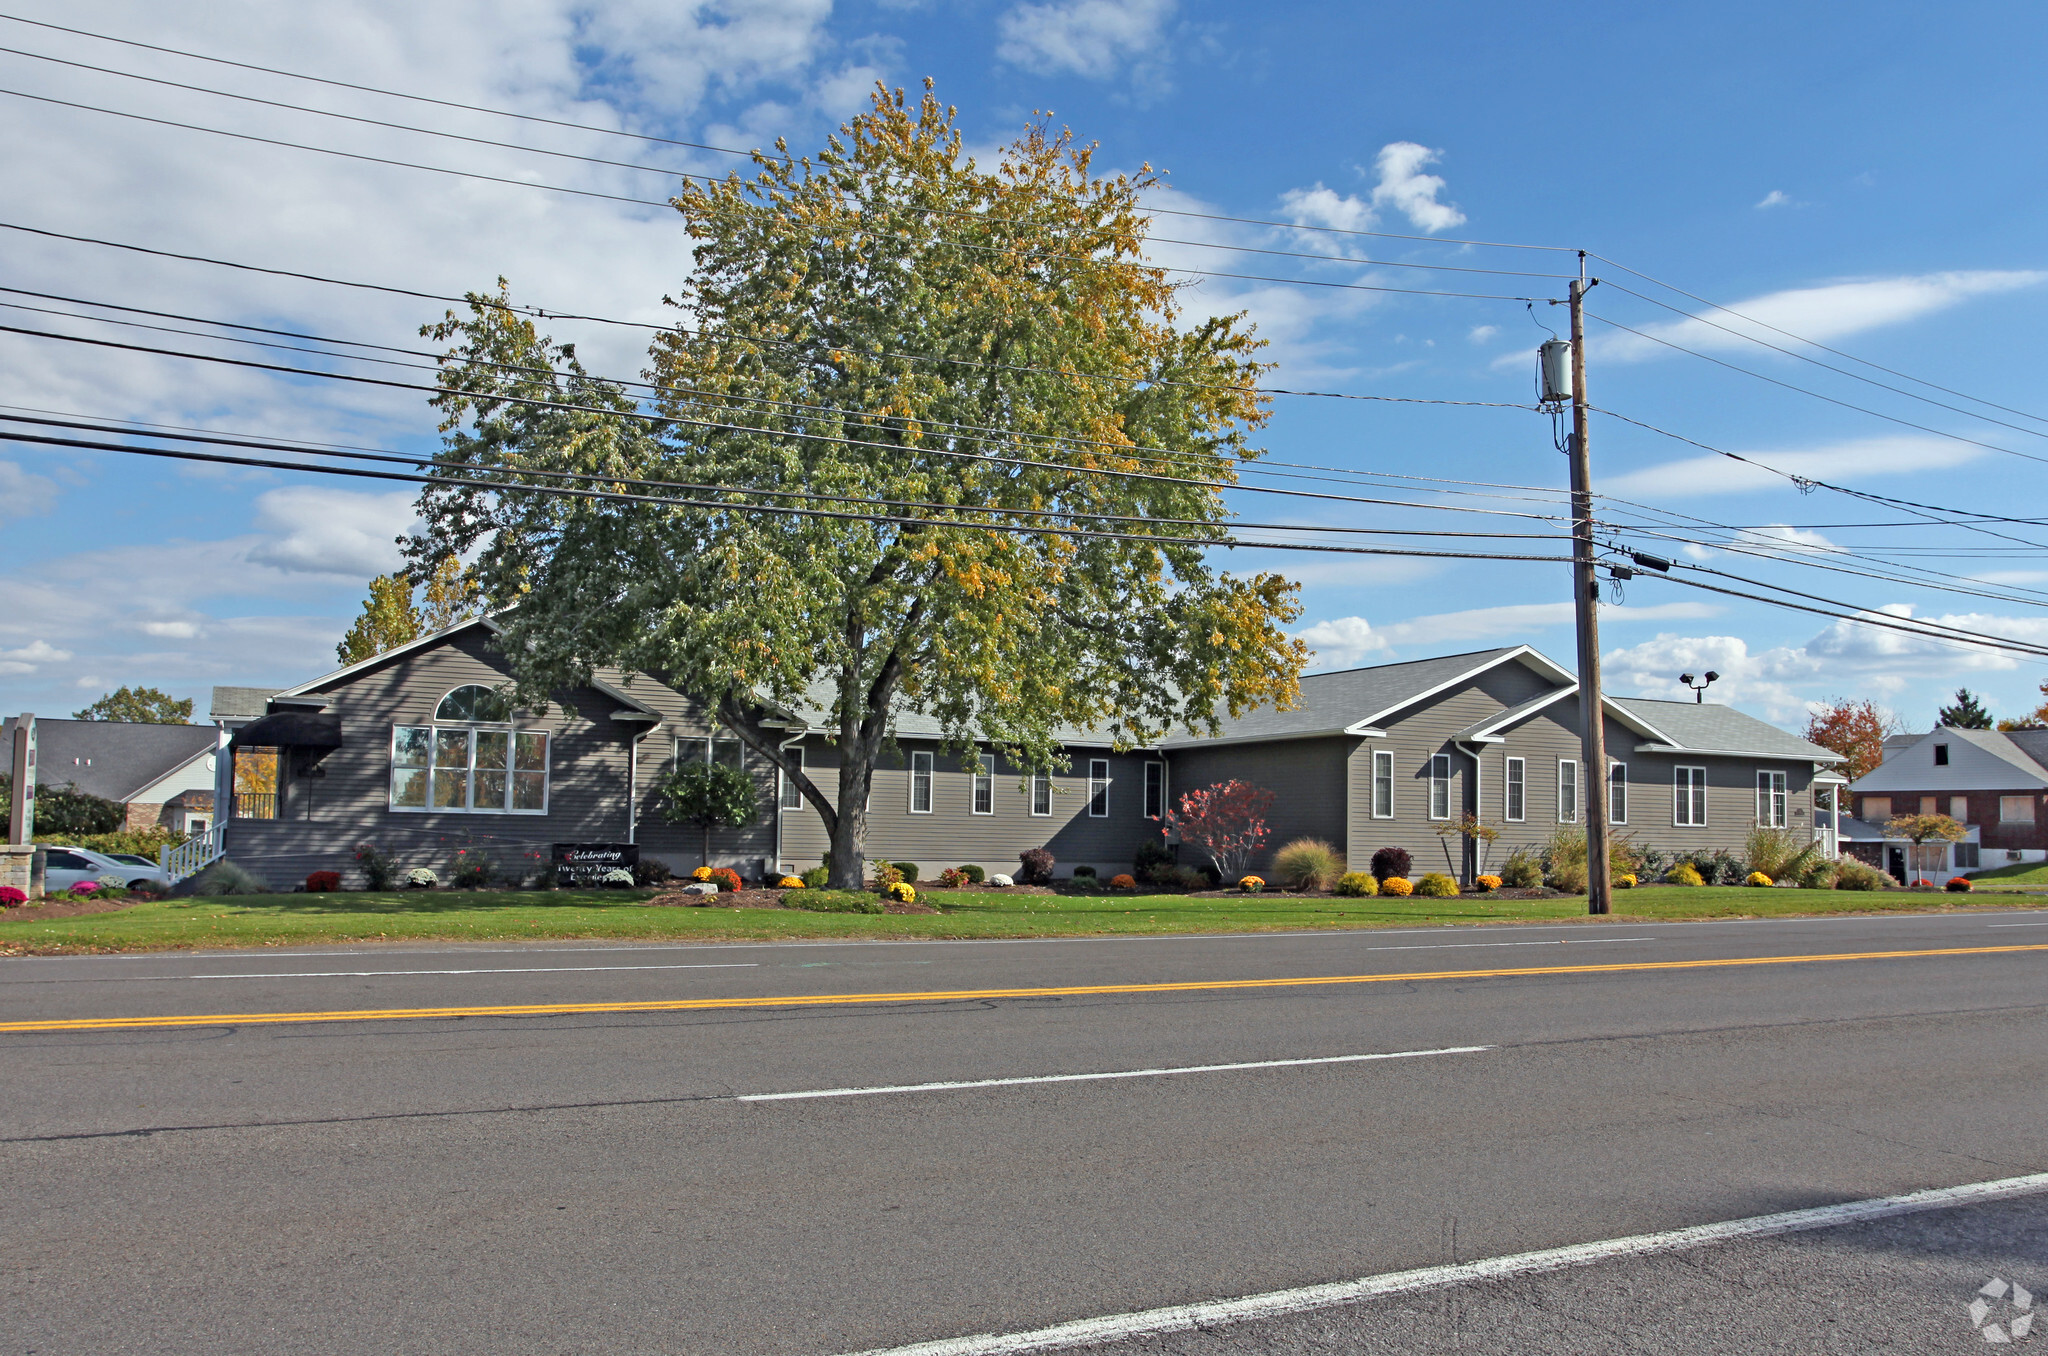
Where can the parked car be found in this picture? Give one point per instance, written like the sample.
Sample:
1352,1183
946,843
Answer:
65,866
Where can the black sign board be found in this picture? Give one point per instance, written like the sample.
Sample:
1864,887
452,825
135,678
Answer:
586,863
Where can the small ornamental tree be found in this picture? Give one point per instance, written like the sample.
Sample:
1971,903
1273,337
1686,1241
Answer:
1856,730
1475,830
709,795
1227,821
1921,831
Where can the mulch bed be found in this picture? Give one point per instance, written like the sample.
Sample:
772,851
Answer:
67,908
761,899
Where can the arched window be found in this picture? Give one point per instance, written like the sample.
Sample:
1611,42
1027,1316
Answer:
474,704
460,763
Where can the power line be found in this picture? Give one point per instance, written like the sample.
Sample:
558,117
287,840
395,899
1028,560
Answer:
1865,362
1865,619
1860,409
728,150
550,313
727,506
652,202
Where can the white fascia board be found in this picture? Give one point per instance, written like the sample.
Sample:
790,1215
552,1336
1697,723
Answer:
139,794
1542,663
636,709
405,649
1740,753
1486,732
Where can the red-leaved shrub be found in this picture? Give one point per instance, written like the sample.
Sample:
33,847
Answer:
321,882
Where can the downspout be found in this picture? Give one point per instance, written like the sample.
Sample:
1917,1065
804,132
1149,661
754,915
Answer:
1472,844
783,747
633,786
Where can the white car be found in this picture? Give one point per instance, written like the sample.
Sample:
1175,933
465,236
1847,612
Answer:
65,866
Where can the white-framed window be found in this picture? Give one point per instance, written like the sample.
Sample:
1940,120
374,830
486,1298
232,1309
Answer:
716,747
1041,793
2015,809
1771,800
985,784
483,766
792,797
1440,786
1098,788
1617,793
1515,791
920,783
1155,790
1382,783
1567,791
1689,797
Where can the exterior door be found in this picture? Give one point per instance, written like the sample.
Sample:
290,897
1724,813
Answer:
1895,863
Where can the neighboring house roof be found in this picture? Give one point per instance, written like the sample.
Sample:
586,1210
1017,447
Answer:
240,703
1893,743
111,759
1978,760
1702,727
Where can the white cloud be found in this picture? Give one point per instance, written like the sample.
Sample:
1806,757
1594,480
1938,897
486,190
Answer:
1481,334
1343,642
23,493
1320,206
1850,461
323,531
1091,38
1828,312
1404,186
172,630
88,681
1774,198
31,657
1802,537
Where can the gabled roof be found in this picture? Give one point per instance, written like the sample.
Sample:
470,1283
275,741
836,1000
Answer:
1979,760
397,652
1697,727
1354,701
240,703
111,759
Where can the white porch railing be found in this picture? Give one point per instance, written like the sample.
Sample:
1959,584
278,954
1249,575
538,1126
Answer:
193,855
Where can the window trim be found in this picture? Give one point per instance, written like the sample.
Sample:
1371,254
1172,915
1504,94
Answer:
1941,755
1514,792
983,786
1690,793
1617,785
921,779
788,795
1041,790
2032,812
1439,785
1382,758
1567,801
1773,799
1155,791
1098,788
512,734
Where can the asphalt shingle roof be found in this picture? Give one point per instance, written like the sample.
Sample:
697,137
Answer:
1332,701
107,758
1696,725
241,703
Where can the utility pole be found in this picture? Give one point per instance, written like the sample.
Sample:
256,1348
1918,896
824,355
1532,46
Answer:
1586,607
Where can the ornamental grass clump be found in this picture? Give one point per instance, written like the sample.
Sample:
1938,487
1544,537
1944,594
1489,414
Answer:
225,878
1436,885
1357,885
1308,864
1398,886
1522,870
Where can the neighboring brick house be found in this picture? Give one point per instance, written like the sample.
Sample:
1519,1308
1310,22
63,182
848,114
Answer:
411,749
162,774
1994,782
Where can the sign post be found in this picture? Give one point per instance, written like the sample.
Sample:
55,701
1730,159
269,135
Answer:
21,811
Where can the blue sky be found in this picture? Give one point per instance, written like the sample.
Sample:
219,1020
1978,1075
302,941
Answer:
1868,177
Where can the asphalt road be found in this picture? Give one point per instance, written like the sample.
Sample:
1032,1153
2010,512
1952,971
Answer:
600,1181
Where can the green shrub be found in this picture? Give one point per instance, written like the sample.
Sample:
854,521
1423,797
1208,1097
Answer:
909,871
1178,877
1087,871
1567,878
140,842
1358,884
472,870
1308,864
379,868
1851,874
1152,858
818,877
1436,885
225,878
1522,870
651,871
1817,874
833,901
1685,873
975,875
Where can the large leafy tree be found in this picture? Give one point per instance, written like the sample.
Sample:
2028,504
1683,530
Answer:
390,618
141,706
957,358
1854,729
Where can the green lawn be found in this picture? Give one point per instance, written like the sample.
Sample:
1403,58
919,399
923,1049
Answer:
2019,874
292,920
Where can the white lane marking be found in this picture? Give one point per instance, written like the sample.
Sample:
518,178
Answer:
1093,1077
1462,946
2016,925
528,970
1188,1317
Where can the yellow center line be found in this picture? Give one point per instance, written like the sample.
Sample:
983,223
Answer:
949,995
